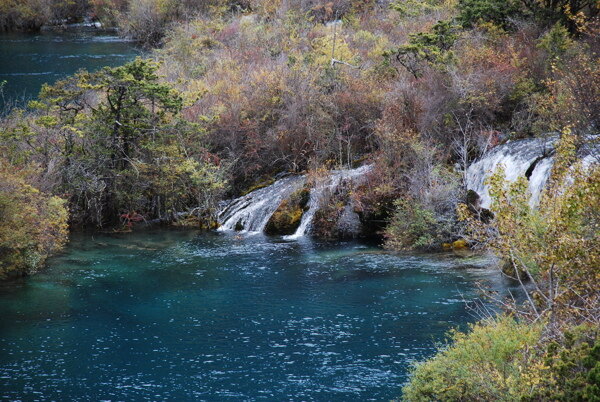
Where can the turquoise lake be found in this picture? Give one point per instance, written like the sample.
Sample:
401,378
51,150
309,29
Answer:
184,315
27,61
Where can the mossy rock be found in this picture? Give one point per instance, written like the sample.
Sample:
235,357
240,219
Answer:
508,268
288,215
258,186
460,244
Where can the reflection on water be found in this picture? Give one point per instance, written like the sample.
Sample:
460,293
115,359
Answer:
27,61
181,315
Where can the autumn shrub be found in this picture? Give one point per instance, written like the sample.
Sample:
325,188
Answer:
494,360
413,8
146,20
33,224
108,11
573,95
32,14
460,88
276,105
327,10
553,246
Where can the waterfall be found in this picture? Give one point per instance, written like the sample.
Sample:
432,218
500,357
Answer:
318,193
251,212
520,158
538,179
532,158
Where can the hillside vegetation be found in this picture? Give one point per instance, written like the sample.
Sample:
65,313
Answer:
243,91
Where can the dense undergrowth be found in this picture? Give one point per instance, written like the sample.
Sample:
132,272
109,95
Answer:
240,92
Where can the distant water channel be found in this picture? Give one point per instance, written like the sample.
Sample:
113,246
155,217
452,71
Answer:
29,60
183,316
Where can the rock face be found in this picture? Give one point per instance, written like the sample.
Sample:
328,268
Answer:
286,219
349,224
318,194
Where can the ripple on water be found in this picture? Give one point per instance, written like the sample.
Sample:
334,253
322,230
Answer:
187,316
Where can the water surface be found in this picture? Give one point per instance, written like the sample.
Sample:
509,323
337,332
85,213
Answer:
29,60
180,315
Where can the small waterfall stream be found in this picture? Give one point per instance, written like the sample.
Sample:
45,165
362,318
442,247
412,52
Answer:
251,212
529,157
318,192
532,158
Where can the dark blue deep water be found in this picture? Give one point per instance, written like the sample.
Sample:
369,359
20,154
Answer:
181,315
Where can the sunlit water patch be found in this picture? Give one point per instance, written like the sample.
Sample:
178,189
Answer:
172,315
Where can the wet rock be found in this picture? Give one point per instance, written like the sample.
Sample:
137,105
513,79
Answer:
286,219
349,225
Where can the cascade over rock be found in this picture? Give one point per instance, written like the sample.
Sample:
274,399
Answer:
320,190
532,158
251,213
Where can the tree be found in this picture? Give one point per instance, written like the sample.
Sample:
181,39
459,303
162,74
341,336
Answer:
472,12
573,13
124,148
432,47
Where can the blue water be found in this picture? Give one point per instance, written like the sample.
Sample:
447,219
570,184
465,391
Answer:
29,60
181,315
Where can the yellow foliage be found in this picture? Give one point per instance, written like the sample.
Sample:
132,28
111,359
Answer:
33,225
326,48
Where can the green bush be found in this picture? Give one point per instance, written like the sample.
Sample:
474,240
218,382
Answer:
490,362
574,367
472,12
432,47
33,225
413,226
507,360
